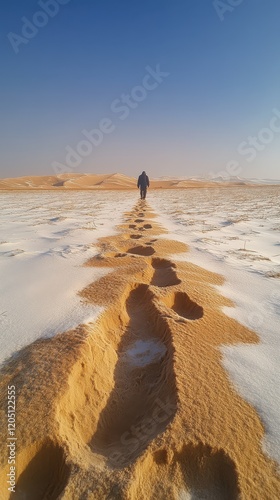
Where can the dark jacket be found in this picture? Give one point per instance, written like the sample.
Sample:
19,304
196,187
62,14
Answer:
143,181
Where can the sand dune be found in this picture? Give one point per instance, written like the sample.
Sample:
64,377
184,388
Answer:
93,181
69,181
138,405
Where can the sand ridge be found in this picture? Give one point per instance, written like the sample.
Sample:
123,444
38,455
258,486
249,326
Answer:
138,404
116,181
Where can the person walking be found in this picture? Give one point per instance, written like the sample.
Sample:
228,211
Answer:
143,183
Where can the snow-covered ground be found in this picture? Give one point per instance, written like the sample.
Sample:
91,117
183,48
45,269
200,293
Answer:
240,226
236,233
45,238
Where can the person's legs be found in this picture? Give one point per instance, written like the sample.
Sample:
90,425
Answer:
144,193
141,192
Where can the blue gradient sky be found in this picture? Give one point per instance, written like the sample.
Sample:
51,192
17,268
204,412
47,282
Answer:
223,84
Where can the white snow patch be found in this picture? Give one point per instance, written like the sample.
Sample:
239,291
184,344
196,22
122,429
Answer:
214,494
145,352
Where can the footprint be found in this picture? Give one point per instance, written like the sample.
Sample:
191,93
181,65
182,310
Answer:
139,221
208,473
132,226
164,274
147,226
46,475
136,236
144,398
181,303
141,250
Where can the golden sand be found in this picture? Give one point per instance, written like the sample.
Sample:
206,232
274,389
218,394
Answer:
138,405
101,182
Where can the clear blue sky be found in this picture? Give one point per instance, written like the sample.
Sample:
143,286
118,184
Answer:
222,87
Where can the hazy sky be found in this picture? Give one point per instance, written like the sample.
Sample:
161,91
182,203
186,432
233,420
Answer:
175,87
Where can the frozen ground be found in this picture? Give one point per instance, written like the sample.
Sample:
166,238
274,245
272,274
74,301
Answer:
236,232
44,240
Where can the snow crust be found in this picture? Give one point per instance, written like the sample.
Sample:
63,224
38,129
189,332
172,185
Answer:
236,233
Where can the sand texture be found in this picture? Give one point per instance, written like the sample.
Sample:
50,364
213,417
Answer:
138,405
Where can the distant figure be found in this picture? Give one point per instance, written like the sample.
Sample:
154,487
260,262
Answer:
143,183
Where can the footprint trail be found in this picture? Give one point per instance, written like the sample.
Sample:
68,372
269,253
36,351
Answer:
138,405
